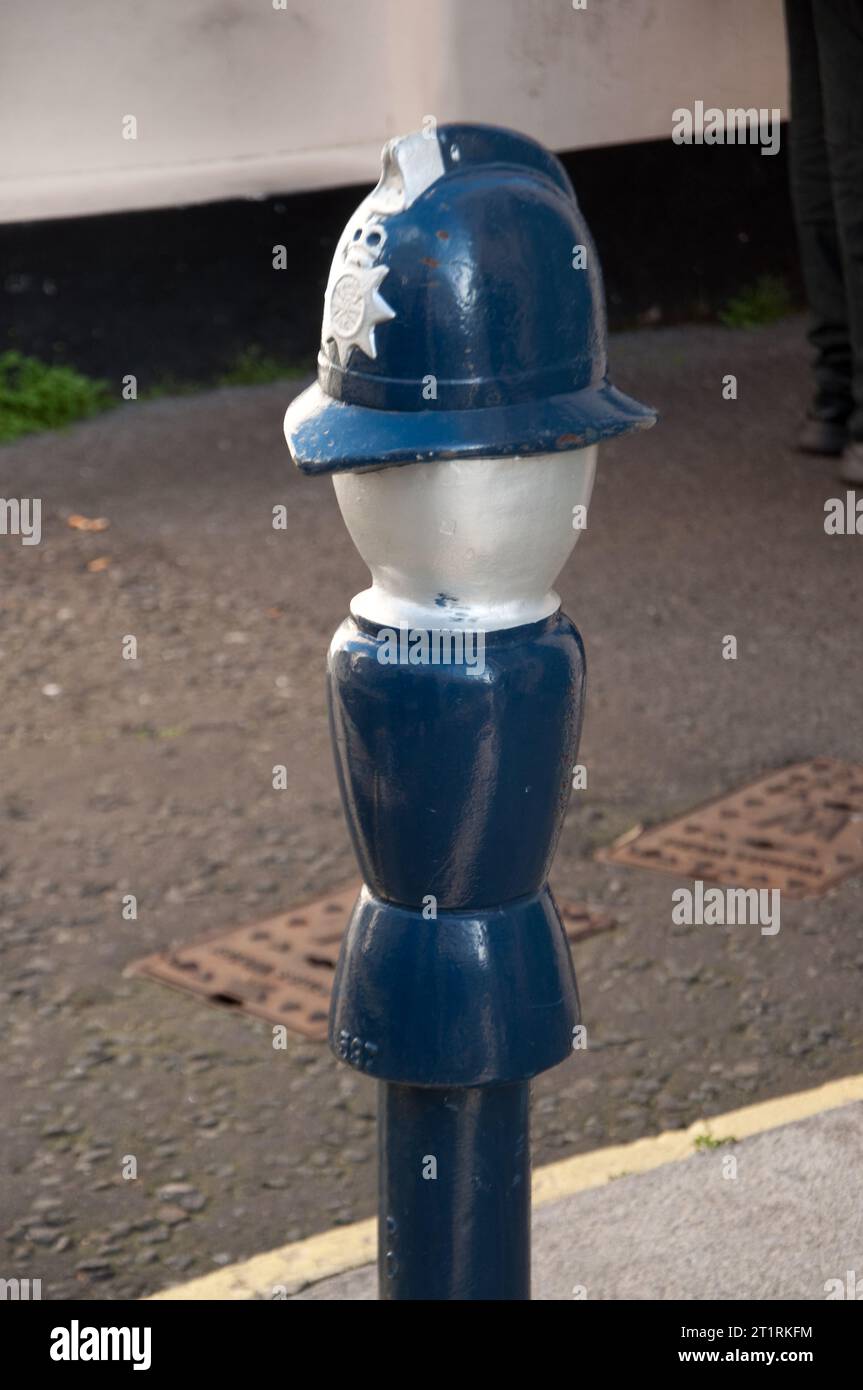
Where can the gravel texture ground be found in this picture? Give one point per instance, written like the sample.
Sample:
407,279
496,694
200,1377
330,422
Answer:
153,777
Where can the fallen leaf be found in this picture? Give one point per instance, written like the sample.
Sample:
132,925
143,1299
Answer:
87,523
100,563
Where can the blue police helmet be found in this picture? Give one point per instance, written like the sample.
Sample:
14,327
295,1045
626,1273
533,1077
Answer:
463,316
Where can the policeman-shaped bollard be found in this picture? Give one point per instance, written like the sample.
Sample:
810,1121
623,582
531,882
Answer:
461,395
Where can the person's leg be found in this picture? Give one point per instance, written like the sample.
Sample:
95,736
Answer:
815,216
839,32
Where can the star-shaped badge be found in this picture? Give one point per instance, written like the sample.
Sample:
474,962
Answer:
353,305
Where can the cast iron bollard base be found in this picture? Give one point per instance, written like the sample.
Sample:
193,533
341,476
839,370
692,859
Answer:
464,1234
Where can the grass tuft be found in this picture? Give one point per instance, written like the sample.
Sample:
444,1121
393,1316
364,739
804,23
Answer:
255,368
764,302
34,396
707,1141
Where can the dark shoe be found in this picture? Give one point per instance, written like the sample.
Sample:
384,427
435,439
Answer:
851,467
822,437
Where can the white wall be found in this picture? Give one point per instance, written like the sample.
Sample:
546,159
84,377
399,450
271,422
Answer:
237,98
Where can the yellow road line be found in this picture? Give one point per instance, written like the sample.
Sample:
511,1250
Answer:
279,1273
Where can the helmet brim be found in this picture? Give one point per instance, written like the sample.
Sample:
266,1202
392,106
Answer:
329,436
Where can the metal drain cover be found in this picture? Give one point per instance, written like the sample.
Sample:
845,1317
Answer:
580,921
799,829
282,968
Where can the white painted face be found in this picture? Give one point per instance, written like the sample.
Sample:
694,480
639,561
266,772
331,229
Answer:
474,543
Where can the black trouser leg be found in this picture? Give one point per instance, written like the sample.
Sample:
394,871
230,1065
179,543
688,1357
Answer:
839,31
815,216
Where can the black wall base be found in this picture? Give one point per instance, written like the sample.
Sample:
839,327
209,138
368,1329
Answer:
180,293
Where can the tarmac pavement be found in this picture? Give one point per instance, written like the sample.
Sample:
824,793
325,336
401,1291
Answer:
775,1216
154,777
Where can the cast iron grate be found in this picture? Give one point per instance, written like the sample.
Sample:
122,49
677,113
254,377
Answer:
799,829
282,969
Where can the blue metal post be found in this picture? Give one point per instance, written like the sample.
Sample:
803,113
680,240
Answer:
461,391
466,1233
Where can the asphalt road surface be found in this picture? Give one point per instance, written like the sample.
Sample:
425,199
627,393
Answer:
150,1138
